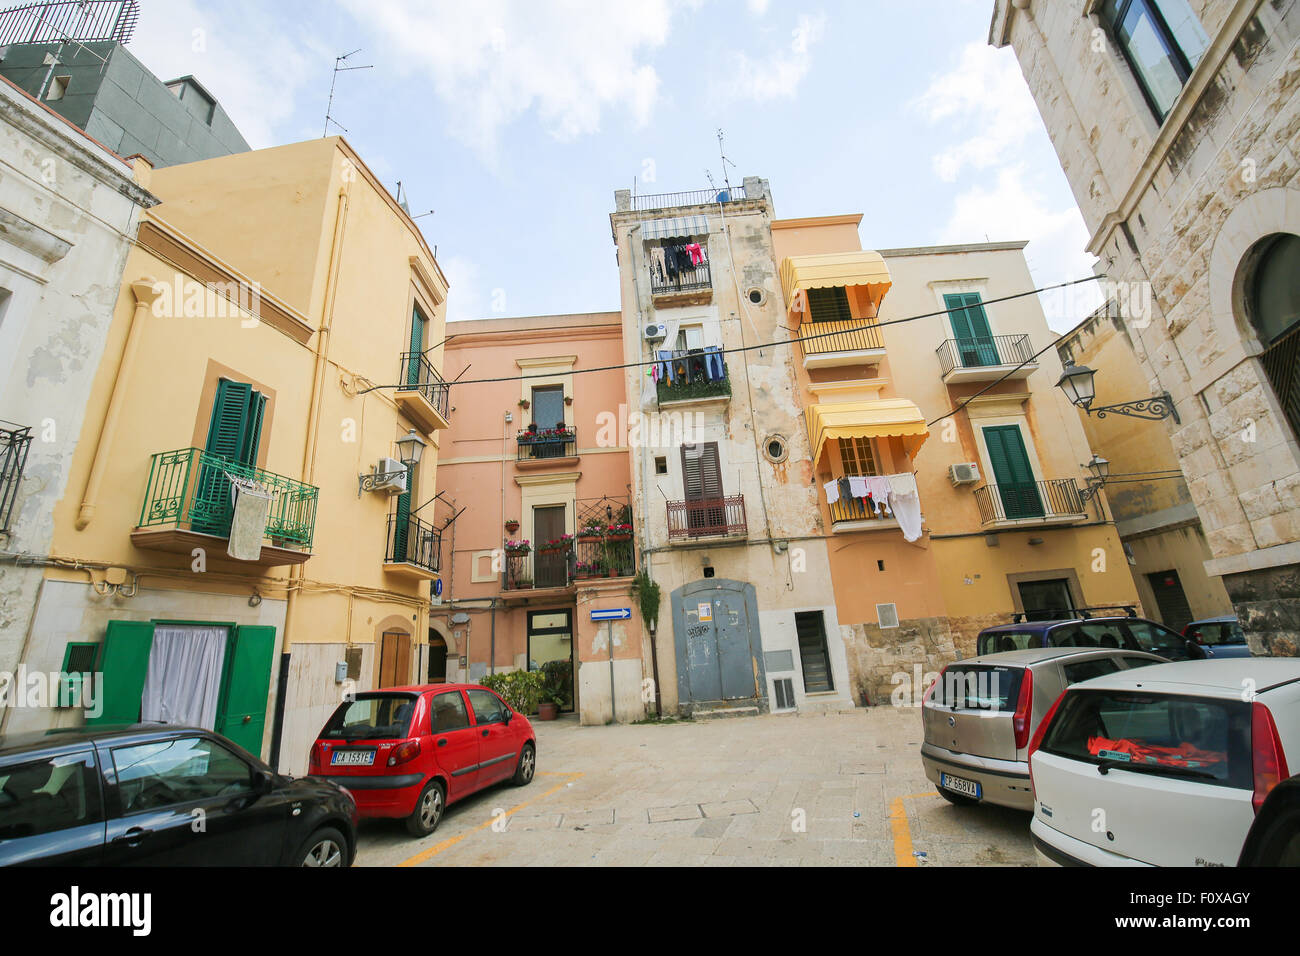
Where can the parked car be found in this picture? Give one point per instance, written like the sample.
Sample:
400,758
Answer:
980,713
163,796
1130,633
408,752
1274,838
1166,766
1219,636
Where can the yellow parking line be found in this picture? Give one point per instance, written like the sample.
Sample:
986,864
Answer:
902,833
437,848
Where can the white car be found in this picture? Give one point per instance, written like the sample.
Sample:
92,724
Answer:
1163,766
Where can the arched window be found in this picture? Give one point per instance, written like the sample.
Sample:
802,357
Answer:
1273,305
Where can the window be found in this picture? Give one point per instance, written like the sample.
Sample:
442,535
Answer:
1162,41
856,457
449,712
775,448
488,708
1217,633
979,687
996,642
661,465
829,305
548,407
1273,305
380,716
44,796
690,337
971,331
1155,639
1013,473
1046,600
235,428
78,662
1087,670
168,772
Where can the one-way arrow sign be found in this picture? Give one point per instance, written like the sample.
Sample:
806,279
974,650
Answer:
612,614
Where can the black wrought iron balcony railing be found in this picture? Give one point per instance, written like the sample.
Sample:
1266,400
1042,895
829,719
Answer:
544,444
412,541
604,547
1054,498
707,517
693,279
15,442
694,197
417,374
691,374
984,351
190,488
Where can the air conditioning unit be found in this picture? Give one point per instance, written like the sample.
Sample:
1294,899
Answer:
656,333
395,482
964,474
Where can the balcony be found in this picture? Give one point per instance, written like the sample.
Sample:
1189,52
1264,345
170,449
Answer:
841,342
693,376
692,286
857,514
603,548
422,394
413,549
695,197
187,505
1055,501
707,518
15,441
986,358
550,447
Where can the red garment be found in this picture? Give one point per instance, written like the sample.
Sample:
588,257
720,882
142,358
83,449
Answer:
1184,755
697,254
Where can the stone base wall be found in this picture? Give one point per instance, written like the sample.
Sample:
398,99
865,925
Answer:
1268,605
878,656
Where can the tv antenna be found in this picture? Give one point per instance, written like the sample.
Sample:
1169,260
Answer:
401,201
329,107
725,162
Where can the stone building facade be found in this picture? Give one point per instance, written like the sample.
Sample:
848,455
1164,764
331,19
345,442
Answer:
1185,169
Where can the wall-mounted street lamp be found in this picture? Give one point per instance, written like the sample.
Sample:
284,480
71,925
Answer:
1100,470
1077,383
409,450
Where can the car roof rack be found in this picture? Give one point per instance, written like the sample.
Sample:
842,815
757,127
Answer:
1069,613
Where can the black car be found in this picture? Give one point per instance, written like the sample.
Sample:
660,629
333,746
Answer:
153,795
1086,628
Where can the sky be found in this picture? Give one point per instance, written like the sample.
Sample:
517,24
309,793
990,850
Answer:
515,121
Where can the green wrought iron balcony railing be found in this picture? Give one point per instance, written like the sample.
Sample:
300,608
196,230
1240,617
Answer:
190,490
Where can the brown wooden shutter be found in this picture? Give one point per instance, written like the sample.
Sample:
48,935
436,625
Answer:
701,471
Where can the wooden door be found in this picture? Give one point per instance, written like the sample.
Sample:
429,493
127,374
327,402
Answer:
394,659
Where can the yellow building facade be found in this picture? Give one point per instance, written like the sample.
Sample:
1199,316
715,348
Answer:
278,329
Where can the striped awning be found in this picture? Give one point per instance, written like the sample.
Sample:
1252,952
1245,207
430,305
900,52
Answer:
682,228
836,269
882,418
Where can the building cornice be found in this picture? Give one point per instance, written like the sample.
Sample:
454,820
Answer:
853,219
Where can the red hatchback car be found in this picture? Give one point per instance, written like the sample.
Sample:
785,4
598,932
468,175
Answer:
410,751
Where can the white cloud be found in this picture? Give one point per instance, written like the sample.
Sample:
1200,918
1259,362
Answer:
775,74
984,105
1014,209
241,54
493,61
758,7
466,300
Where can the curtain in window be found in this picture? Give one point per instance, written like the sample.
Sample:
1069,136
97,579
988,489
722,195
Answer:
183,682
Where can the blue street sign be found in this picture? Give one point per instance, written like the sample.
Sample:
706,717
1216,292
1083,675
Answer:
612,614
437,587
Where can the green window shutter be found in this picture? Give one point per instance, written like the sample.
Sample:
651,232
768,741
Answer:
245,684
970,327
123,664
229,422
418,322
1012,471
78,661
956,306
402,521
829,305
253,433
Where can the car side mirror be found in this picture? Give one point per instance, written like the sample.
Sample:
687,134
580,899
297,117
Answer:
263,782
509,713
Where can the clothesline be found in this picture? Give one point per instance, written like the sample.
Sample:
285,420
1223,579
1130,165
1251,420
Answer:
881,496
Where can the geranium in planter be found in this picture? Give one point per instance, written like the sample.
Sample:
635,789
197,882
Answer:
512,525
562,543
514,548
619,532
591,534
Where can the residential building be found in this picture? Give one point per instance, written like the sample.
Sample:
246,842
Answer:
536,484
68,214
1175,123
1147,493
101,88
278,332
724,501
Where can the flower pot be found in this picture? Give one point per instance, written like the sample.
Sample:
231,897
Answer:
589,539
613,573
619,537
522,587
547,711
512,526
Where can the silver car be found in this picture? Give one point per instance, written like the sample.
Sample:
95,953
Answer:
981,713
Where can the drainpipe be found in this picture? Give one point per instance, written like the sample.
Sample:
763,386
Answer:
313,427
146,293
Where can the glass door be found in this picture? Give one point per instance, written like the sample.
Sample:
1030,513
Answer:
550,651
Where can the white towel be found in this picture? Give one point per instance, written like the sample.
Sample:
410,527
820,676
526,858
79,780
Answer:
832,492
252,504
858,487
907,509
902,485
878,488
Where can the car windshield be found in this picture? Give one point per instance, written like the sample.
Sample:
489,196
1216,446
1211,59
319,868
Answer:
1160,733
979,687
372,717
993,642
1217,633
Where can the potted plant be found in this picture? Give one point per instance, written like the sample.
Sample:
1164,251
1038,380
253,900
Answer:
512,525
514,548
591,534
618,532
548,708
523,584
583,570
563,543
568,399
525,403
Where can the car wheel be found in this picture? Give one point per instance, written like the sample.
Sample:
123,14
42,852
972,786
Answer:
956,799
527,766
324,848
428,810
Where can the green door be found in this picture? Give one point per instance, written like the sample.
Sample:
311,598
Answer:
245,681
970,327
413,360
1012,472
123,664
402,519
234,434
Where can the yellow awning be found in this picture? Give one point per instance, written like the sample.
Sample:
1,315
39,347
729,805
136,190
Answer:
836,269
883,418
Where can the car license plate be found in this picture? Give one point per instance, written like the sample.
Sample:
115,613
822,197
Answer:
353,758
968,788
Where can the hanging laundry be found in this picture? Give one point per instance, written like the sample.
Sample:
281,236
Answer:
696,254
713,363
670,262
907,509
665,366
858,485
658,271
904,484
832,491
